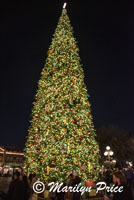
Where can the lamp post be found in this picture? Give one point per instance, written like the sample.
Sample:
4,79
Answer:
108,153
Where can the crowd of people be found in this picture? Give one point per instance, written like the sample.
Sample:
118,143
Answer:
21,187
120,177
73,180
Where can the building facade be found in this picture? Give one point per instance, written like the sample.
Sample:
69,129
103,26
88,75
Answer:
10,158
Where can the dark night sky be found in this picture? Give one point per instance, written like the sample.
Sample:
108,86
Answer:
105,34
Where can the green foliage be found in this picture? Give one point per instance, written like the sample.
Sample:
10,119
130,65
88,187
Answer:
61,136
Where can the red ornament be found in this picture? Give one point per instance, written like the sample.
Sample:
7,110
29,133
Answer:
90,183
94,168
74,121
57,122
81,138
37,148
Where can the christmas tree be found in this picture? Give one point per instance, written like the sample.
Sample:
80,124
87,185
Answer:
61,136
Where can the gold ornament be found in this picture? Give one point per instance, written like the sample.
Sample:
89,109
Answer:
89,167
65,119
79,131
64,129
47,106
47,124
47,170
68,149
71,100
81,120
49,52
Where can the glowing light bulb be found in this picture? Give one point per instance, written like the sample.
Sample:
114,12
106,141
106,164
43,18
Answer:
105,153
64,6
108,148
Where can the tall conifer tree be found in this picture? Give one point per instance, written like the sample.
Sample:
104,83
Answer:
61,135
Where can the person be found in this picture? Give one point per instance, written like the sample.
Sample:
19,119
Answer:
76,195
16,189
108,178
27,188
133,176
52,195
71,177
117,169
129,176
60,195
120,180
30,184
31,180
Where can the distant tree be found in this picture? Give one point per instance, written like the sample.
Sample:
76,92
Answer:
120,142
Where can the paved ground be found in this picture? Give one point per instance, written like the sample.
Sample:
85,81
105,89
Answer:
92,198
95,198
4,183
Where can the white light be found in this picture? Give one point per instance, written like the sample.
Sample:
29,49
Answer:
108,148
13,153
64,6
130,163
114,161
105,153
111,153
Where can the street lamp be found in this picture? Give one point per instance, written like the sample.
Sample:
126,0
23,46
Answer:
108,152
105,153
108,148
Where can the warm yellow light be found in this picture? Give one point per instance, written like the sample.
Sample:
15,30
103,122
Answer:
13,153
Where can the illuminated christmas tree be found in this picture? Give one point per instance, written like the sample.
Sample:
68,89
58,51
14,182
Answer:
61,136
